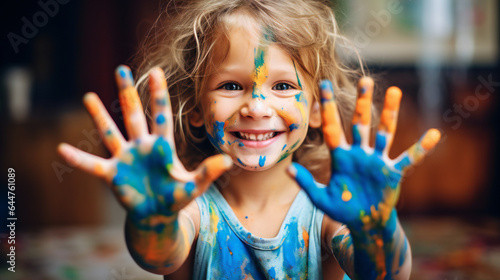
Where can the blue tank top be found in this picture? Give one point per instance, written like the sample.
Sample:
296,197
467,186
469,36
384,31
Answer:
226,250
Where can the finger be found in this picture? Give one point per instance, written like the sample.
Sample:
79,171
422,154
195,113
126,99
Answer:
388,120
362,113
133,114
332,127
417,152
209,170
89,163
306,181
110,134
161,109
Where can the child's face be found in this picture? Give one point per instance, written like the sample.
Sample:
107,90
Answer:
257,105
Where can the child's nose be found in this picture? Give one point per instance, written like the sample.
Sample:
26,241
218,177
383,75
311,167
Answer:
256,108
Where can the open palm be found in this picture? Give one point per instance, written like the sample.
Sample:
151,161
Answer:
365,182
145,173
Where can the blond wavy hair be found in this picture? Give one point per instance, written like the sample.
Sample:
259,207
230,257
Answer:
182,42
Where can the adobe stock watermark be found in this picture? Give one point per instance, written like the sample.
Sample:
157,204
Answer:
380,20
470,104
30,28
460,111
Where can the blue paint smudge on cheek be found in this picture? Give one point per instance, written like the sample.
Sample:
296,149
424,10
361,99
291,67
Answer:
262,160
293,126
283,147
241,144
219,132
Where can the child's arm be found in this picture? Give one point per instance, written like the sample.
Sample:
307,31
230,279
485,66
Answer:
364,187
146,175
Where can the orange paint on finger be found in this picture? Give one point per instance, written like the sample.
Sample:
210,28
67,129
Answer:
393,98
362,113
430,139
331,125
129,99
99,170
215,166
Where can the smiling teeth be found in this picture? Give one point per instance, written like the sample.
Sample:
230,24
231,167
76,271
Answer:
256,137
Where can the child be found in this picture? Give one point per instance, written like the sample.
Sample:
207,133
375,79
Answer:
245,74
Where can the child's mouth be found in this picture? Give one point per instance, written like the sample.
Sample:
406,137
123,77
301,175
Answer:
255,136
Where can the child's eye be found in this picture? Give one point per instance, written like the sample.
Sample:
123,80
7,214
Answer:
231,86
282,86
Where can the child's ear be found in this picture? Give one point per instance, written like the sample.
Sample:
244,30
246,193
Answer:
195,118
315,115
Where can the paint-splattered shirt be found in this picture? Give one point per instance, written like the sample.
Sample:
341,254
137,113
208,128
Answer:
226,250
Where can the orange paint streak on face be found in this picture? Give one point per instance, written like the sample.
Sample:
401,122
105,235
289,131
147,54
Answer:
331,124
288,118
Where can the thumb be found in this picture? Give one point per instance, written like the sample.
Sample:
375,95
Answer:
210,169
306,181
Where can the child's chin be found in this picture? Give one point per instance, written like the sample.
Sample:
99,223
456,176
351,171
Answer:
255,167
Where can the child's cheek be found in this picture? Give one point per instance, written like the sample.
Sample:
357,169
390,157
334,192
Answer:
219,117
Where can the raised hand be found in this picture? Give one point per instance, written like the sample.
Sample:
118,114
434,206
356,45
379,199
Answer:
364,186
365,182
144,172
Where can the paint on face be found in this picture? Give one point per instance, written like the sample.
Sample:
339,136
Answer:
216,138
260,67
262,160
288,151
239,160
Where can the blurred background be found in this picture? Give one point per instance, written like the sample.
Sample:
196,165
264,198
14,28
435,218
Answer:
443,54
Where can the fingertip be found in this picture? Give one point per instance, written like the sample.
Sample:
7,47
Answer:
366,81
430,139
89,96
393,98
124,77
227,161
326,90
291,170
157,79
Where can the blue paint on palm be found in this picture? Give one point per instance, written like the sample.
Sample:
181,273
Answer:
148,175
369,180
